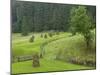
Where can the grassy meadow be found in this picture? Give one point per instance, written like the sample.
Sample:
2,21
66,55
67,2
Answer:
58,50
48,37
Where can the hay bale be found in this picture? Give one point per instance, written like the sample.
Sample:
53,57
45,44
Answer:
32,38
36,61
50,34
57,33
41,35
45,36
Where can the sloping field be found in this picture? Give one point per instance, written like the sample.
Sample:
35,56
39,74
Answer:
59,46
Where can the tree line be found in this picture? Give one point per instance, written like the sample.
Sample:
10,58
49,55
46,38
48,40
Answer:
38,16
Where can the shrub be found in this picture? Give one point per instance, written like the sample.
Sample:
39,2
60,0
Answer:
82,61
90,62
24,34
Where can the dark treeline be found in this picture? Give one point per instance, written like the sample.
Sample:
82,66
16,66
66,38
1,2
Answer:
39,16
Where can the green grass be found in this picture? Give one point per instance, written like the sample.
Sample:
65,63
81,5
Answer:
64,44
68,47
22,46
46,65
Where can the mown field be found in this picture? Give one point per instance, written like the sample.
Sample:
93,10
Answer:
58,50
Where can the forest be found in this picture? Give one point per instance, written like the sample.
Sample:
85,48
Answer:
37,16
52,37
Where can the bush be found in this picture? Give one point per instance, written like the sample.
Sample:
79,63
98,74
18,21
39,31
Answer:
82,61
24,34
90,62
